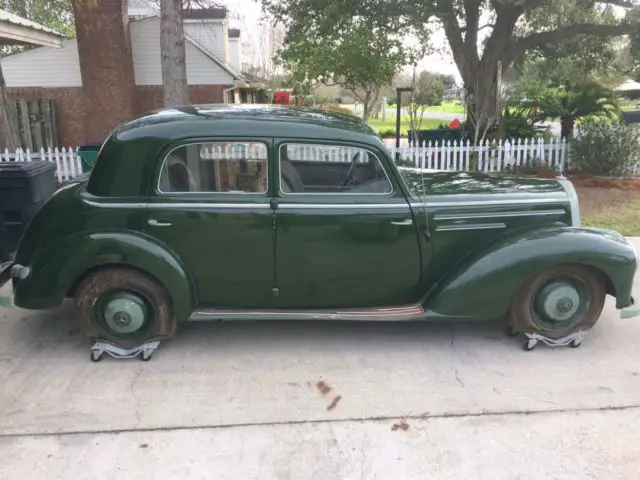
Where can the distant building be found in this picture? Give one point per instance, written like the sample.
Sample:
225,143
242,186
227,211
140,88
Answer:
111,72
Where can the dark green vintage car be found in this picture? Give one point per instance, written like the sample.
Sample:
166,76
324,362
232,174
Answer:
258,212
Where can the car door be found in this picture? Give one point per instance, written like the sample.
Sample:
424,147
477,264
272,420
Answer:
210,203
346,236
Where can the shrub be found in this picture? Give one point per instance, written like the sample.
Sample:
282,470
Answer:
326,100
387,132
337,109
605,149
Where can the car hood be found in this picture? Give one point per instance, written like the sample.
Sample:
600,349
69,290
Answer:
429,182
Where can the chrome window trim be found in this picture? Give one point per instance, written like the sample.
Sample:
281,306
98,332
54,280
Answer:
211,192
285,194
176,205
343,206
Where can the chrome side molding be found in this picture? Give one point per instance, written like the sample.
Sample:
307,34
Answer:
385,314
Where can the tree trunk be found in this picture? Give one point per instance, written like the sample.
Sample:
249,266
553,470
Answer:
366,105
481,98
172,51
8,137
567,123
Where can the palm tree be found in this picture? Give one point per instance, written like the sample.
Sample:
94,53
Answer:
574,100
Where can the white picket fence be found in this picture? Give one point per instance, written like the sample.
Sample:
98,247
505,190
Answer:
489,156
67,160
454,156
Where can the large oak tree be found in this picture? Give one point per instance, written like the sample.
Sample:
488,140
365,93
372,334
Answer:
484,37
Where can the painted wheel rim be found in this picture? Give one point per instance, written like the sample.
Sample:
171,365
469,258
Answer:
123,314
560,305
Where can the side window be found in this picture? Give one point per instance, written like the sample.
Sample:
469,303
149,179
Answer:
223,167
317,168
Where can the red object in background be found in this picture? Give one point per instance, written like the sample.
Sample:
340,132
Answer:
455,124
282,98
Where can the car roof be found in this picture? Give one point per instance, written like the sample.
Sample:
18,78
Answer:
247,119
129,156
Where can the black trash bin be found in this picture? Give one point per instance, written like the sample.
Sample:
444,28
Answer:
24,187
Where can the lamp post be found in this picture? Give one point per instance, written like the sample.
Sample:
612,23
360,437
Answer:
399,91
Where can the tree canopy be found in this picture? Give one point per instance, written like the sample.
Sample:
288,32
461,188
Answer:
480,50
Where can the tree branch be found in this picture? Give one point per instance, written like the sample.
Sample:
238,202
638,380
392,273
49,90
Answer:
541,38
472,14
453,32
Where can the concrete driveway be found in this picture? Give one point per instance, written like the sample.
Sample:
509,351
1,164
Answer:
319,401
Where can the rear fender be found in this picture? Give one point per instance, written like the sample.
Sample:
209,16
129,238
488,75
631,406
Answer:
484,284
55,271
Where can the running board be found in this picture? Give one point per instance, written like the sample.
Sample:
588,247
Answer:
387,314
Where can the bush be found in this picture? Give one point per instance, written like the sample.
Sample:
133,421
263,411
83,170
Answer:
325,100
605,149
337,109
387,132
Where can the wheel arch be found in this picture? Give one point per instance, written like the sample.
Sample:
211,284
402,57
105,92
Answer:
71,260
484,284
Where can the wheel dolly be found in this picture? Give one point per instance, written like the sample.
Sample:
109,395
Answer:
145,350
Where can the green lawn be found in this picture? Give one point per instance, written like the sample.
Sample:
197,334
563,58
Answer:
630,106
390,124
611,208
447,107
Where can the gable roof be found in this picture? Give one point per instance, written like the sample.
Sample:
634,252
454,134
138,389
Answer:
234,73
18,30
205,13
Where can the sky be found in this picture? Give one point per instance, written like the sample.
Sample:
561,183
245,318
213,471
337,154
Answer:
246,14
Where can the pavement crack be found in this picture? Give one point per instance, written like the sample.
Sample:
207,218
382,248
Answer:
445,416
457,375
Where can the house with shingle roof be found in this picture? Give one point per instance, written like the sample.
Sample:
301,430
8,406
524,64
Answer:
111,71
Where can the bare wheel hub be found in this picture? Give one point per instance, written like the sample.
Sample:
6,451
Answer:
125,313
558,304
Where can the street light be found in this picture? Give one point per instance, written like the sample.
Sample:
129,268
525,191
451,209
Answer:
399,91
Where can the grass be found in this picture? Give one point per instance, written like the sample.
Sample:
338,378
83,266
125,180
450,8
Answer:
446,107
610,208
390,124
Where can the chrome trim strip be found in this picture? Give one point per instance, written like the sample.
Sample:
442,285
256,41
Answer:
185,205
470,216
573,200
368,314
210,206
344,206
478,226
114,204
257,205
472,203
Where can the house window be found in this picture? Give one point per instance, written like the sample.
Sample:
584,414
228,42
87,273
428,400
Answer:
331,169
220,167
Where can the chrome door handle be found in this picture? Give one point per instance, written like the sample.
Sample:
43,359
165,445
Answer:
406,222
155,223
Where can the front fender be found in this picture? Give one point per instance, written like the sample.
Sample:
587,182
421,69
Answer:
54,271
484,284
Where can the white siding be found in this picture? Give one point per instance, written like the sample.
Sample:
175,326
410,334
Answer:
145,42
235,55
211,34
44,67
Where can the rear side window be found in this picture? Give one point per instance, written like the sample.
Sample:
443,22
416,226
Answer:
217,167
